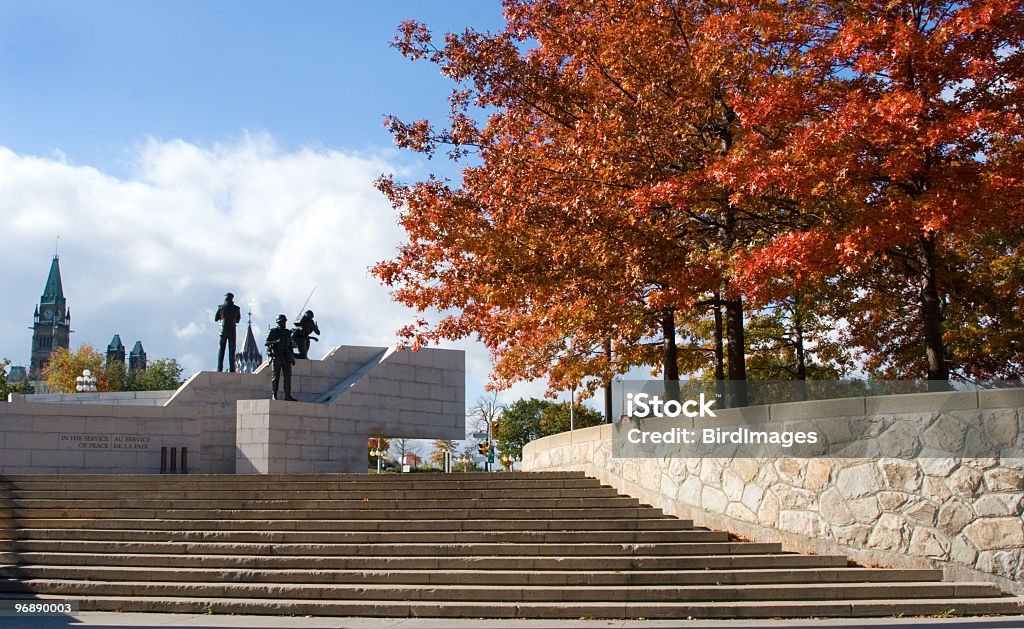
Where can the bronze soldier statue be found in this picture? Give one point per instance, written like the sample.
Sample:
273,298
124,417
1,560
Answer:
228,314
279,349
304,329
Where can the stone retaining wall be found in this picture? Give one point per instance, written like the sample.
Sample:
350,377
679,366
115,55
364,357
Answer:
45,438
963,514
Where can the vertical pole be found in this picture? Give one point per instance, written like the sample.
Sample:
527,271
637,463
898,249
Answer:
174,460
163,460
184,460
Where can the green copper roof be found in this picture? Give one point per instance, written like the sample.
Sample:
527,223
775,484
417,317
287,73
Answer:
137,350
115,343
54,291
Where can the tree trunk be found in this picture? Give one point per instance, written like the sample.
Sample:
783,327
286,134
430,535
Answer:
931,315
798,341
670,353
736,350
608,385
719,352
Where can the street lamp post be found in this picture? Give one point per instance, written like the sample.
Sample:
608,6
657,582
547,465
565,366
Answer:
572,408
622,395
378,452
85,383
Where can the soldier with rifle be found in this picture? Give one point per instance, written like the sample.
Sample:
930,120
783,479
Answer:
279,349
304,329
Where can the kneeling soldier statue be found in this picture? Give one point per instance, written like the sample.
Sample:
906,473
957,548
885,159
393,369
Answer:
303,334
279,349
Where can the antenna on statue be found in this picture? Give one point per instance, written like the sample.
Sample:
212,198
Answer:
303,308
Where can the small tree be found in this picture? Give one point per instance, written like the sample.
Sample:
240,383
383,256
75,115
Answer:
400,447
555,418
441,446
484,411
64,366
163,374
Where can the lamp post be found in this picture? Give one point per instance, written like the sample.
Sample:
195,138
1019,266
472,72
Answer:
622,395
378,452
572,408
85,383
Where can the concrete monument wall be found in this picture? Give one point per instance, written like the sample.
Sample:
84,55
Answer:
926,509
48,438
358,391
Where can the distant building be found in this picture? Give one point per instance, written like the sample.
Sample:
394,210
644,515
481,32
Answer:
115,351
116,354
249,358
17,374
137,359
51,323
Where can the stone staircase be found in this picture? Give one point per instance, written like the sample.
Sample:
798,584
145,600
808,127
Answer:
502,545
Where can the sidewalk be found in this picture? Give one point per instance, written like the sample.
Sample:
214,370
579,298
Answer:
104,620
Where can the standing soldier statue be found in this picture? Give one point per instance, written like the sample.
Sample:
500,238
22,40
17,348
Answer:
304,329
228,314
279,349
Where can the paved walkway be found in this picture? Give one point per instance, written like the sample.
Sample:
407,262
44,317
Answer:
104,620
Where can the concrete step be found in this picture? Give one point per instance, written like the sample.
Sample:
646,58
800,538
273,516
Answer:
505,593
384,537
18,479
361,504
502,549
662,523
466,545
827,608
483,513
449,562
319,493
489,576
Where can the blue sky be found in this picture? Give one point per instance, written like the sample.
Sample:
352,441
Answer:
94,79
184,149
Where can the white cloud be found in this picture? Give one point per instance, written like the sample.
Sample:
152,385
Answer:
150,255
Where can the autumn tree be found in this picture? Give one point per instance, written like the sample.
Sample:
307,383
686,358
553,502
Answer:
909,154
592,216
64,366
441,448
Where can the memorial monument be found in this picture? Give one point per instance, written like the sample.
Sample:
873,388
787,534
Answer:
226,424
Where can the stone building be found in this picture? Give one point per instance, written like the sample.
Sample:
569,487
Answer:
116,354
51,322
137,359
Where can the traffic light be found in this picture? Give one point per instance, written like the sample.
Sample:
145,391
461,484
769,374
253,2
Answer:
494,427
484,448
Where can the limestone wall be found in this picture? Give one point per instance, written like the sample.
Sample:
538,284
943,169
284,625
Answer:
960,513
45,438
118,398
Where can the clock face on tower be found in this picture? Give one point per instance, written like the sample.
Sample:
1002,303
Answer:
47,315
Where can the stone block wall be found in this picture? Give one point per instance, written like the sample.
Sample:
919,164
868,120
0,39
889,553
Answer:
927,509
358,391
117,398
214,396
45,438
276,437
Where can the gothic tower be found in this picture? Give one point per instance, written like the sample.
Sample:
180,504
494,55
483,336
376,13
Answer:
137,359
249,359
115,351
51,325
